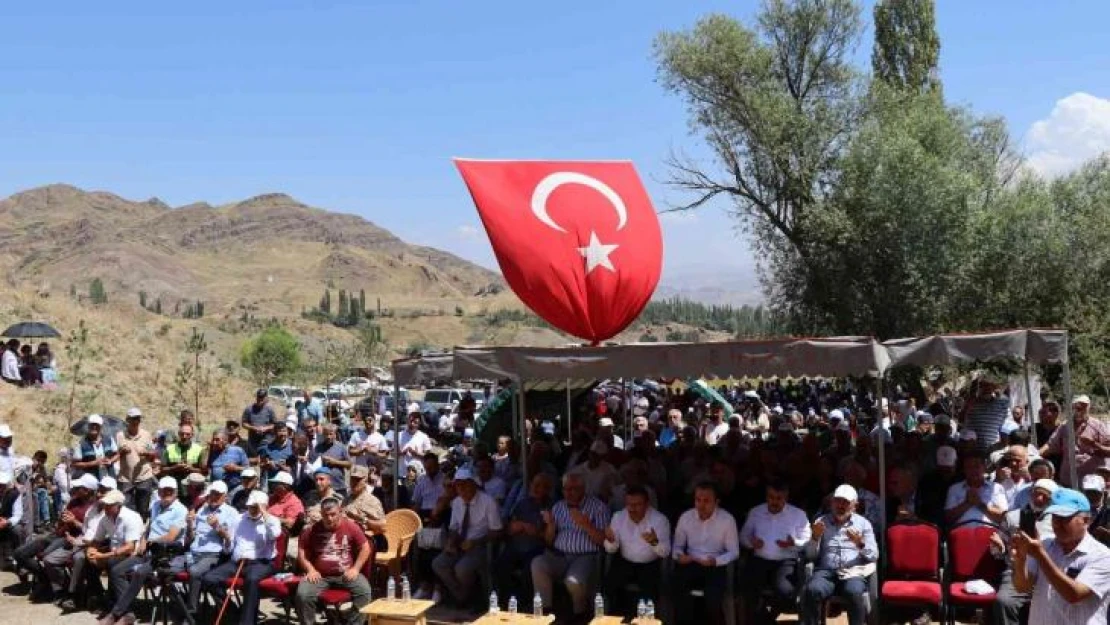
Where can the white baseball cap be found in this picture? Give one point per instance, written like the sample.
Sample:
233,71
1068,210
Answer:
248,472
257,498
282,477
5,430
468,433
195,478
95,419
216,487
605,422
1046,485
1094,483
836,415
413,407
167,482
85,481
108,482
1081,399
846,492
113,498
134,412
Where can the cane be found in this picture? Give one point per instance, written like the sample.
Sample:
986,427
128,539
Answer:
230,585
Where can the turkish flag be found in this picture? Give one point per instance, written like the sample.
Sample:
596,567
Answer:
578,241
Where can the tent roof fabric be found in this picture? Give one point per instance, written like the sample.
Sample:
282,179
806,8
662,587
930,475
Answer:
832,357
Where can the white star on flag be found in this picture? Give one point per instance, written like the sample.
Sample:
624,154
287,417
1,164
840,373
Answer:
597,254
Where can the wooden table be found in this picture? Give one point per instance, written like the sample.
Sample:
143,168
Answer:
397,612
508,618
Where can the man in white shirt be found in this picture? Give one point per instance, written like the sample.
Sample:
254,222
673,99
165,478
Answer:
9,363
11,511
369,448
705,543
775,532
716,428
414,443
638,537
975,498
475,520
121,528
253,542
1069,574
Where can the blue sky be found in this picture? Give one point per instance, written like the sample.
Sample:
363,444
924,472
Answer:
358,106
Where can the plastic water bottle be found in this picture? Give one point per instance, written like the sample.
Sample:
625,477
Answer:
537,605
650,610
512,605
599,606
641,609
493,606
391,589
406,590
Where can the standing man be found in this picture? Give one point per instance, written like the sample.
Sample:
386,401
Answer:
705,543
332,455
985,413
274,455
93,453
182,457
574,532
1092,443
259,419
332,553
774,531
254,543
1069,574
136,463
414,443
843,543
638,537
225,462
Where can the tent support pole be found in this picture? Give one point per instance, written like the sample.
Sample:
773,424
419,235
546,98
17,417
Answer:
1070,415
521,411
881,537
396,443
570,418
1029,406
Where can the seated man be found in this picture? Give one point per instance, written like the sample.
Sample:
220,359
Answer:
705,543
254,544
574,533
209,535
116,538
237,497
775,532
58,547
284,504
475,520
975,498
323,490
332,553
58,568
166,527
11,511
843,545
525,539
638,537
365,509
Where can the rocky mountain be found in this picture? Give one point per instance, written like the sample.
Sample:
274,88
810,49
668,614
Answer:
269,252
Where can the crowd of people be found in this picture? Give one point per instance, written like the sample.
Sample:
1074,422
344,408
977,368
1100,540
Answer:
698,503
22,366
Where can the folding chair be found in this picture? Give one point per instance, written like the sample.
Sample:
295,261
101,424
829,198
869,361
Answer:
970,558
913,571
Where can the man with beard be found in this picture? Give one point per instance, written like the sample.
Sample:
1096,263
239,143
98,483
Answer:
846,552
365,509
56,549
258,419
209,537
254,545
332,552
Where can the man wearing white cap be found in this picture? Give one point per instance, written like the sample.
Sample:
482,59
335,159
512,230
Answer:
843,545
237,498
57,548
605,434
94,453
8,459
209,537
254,543
1094,488
975,498
475,520
121,528
1012,606
414,443
136,463
75,570
1092,443
166,527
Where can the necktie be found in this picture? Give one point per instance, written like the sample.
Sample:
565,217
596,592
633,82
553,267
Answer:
464,527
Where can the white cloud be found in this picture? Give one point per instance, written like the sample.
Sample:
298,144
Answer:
468,232
1077,130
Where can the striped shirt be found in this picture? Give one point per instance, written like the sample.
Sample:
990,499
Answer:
985,418
427,491
571,539
1088,564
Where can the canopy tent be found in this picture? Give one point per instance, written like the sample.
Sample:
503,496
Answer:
1032,346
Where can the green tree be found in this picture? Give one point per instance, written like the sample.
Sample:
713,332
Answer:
142,299
362,302
325,303
97,295
79,349
774,104
272,354
906,54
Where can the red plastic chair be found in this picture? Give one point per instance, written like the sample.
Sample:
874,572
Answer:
970,558
332,600
913,573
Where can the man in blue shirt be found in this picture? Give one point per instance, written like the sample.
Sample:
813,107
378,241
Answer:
274,455
843,544
166,527
225,462
209,535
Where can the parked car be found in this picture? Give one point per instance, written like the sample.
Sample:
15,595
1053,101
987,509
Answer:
285,394
355,386
329,396
437,398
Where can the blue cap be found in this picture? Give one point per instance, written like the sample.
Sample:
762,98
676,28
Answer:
1067,503
322,471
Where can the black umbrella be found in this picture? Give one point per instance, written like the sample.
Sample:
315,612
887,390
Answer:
111,426
31,330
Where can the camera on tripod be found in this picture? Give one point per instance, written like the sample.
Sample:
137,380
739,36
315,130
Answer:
162,554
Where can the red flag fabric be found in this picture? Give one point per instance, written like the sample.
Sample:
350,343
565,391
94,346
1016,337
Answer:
577,241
